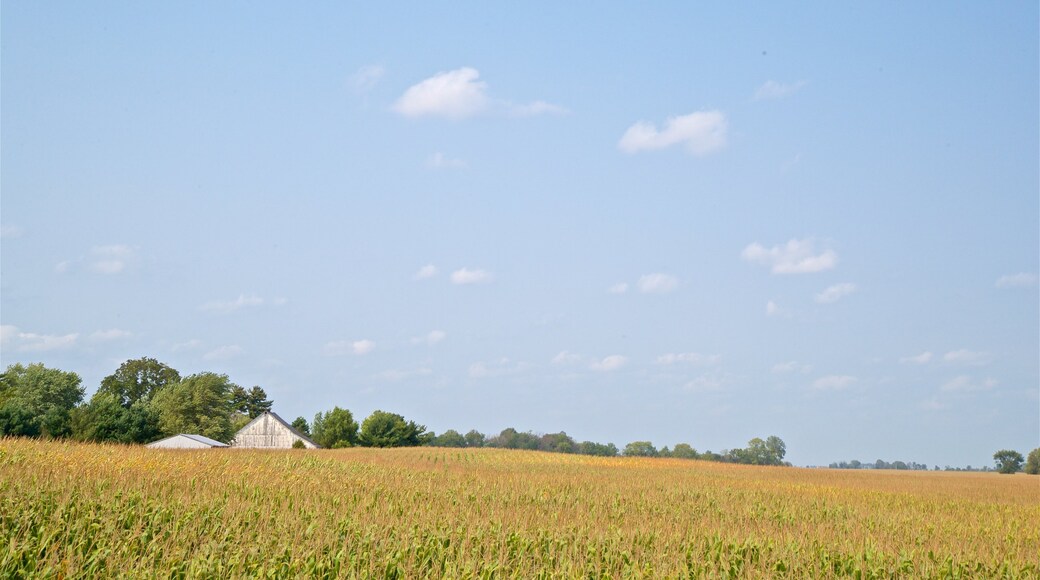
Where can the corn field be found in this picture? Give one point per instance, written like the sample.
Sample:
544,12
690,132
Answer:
77,510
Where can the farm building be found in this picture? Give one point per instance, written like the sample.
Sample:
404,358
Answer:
269,431
186,441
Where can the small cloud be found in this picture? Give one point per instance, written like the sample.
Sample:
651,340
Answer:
702,133
610,363
427,271
223,352
794,257
705,384
243,301
111,334
777,90
920,359
619,288
400,375
690,358
362,347
774,309
111,259
8,231
1020,280
967,357
12,337
441,161
345,347
431,338
658,283
964,383
187,345
455,95
536,108
791,367
836,292
501,367
933,404
62,267
566,358
833,382
366,78
474,276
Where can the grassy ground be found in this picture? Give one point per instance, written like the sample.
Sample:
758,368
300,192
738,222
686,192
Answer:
75,510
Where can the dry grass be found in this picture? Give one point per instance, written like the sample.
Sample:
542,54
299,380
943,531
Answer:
87,510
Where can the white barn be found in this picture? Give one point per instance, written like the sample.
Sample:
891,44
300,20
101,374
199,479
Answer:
186,441
269,431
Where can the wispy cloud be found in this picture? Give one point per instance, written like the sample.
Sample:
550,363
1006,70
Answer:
968,357
794,257
791,367
690,358
349,347
1020,280
836,292
433,337
833,382
778,90
9,231
609,363
366,78
427,271
468,276
775,310
536,108
226,306
705,383
400,375
702,132
223,352
13,338
657,283
918,359
964,383
441,161
619,288
500,367
110,334
110,259
459,94
566,358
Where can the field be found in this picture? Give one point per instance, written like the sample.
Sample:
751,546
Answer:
77,510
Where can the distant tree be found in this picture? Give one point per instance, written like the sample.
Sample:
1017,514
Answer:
383,429
300,424
251,403
200,404
450,438
777,450
598,449
104,418
336,428
510,438
1033,462
557,443
855,464
664,452
899,465
475,438
684,451
37,401
1008,461
138,379
640,449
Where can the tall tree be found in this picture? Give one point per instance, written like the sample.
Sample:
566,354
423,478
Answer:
199,404
138,379
36,400
1008,461
105,419
300,424
336,428
640,449
383,429
475,438
1033,462
251,403
684,451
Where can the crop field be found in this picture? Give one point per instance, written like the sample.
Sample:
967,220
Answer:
79,510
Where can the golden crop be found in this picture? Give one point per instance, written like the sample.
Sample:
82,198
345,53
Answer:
78,510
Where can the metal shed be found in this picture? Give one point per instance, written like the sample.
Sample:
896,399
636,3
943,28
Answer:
186,441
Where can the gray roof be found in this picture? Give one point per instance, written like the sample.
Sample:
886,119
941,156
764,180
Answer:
205,440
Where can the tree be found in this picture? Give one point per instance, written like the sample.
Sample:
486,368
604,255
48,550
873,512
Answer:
138,379
199,404
1008,461
37,401
640,449
251,403
335,429
777,450
106,419
450,438
597,449
684,451
300,424
383,429
557,443
475,438
1033,462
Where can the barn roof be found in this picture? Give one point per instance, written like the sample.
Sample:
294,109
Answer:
283,422
198,438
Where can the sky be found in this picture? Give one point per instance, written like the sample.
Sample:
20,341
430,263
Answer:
677,223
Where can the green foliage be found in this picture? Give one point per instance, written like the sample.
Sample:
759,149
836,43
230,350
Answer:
251,403
510,438
382,429
138,379
684,451
475,438
640,449
335,429
450,438
300,424
200,404
1008,461
1033,462
37,401
299,444
106,419
597,449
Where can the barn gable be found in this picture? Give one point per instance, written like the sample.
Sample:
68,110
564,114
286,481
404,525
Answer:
269,431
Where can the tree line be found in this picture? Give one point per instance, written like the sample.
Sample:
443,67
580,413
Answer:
145,400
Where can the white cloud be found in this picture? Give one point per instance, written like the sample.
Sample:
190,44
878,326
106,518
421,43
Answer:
400,375
836,292
967,357
704,384
692,358
1020,280
657,283
777,90
794,257
223,352
791,367
366,78
344,347
702,133
62,267
833,382
11,231
964,383
610,363
920,359
187,345
441,161
774,309
619,288
12,337
226,306
111,334
536,108
455,94
427,271
111,259
433,337
474,276
503,366
566,358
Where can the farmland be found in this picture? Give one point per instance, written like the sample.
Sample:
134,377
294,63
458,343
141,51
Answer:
79,510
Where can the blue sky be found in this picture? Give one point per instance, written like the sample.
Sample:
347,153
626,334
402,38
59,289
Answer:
686,224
